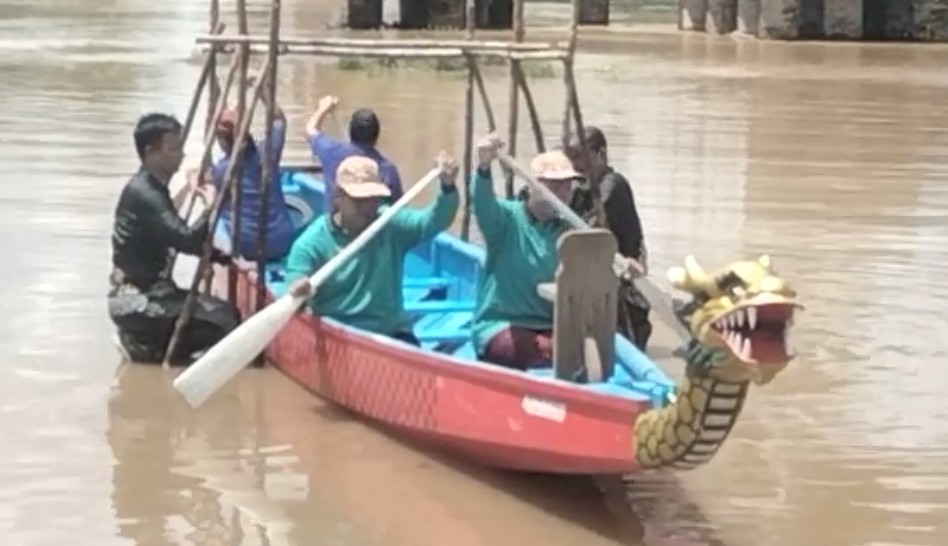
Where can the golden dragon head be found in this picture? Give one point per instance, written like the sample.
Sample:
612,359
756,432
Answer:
742,312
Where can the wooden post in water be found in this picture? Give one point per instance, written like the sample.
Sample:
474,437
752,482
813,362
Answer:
513,113
572,105
468,157
531,109
269,160
482,91
230,176
237,162
206,74
567,70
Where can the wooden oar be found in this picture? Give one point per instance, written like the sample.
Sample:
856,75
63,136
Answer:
222,362
659,301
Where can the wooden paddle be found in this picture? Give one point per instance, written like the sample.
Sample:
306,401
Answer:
222,362
659,301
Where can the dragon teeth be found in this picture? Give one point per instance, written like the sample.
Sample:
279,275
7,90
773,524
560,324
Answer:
746,349
740,318
752,318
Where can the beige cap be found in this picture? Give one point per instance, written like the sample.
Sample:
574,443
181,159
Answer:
359,177
553,165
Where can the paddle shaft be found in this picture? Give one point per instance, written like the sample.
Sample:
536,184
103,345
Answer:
656,298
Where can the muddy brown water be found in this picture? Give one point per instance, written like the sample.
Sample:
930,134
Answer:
829,157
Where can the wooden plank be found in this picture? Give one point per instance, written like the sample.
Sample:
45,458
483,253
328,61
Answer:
586,299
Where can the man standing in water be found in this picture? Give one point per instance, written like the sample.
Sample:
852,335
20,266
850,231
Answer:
364,129
622,218
144,302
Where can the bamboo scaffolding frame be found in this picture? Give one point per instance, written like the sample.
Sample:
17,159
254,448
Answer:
407,53
230,176
208,145
274,46
318,41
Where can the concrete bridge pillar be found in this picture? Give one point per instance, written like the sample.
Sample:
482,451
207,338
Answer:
930,19
748,16
692,14
842,19
722,16
779,19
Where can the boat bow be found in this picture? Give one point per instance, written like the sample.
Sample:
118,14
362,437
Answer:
740,317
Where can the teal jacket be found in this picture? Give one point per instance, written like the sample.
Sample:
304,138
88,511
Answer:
521,253
366,290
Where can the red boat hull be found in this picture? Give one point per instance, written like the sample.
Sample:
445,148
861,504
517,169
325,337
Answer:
488,415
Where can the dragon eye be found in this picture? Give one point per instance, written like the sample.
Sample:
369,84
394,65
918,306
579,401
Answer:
730,282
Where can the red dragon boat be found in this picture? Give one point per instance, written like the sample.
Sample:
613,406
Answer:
631,418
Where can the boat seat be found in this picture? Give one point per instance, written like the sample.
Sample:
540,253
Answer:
585,298
439,306
425,282
447,335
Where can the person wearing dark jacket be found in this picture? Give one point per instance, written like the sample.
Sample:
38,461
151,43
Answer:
144,303
622,218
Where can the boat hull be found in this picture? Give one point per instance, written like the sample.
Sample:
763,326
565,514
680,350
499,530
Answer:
489,415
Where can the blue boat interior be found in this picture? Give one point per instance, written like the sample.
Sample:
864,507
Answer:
440,290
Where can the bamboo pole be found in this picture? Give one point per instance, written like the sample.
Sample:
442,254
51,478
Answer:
480,45
572,102
214,90
513,97
208,147
531,109
408,53
568,67
229,178
482,91
236,196
269,160
469,21
206,72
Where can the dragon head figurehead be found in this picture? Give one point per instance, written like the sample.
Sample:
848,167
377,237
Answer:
743,312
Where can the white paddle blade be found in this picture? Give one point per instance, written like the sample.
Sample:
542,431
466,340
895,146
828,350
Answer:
233,353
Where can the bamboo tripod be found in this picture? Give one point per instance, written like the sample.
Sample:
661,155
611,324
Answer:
273,46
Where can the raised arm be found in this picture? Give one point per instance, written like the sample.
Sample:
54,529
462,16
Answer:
323,147
326,106
414,226
491,216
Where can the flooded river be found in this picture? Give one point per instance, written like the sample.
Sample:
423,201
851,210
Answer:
831,158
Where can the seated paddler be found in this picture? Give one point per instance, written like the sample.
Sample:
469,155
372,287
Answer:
513,325
279,225
366,291
144,303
